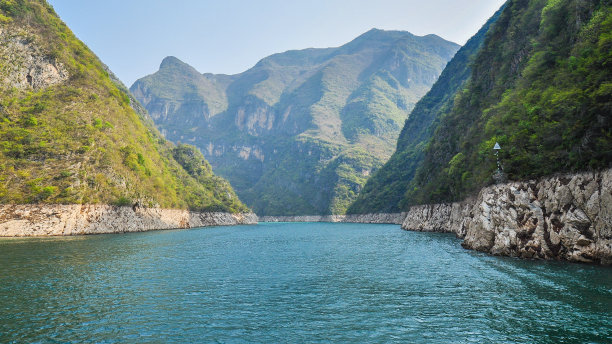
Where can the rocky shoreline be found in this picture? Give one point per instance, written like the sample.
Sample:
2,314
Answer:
59,220
565,217
393,218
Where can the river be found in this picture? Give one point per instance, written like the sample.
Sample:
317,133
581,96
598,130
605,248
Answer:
292,282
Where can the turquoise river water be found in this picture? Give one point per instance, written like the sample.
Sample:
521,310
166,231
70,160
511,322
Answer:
292,283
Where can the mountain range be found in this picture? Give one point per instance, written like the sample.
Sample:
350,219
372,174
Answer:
301,131
309,131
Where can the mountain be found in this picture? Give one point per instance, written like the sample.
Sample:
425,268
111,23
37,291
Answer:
540,86
71,133
386,188
301,131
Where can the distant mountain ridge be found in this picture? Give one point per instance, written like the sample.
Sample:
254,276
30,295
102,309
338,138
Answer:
539,84
300,132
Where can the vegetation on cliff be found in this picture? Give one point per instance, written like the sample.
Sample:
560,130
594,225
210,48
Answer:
301,131
69,132
386,188
540,86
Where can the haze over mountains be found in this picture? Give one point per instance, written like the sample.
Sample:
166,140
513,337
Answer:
301,131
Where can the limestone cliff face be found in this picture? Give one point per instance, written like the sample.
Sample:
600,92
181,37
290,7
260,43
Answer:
27,66
57,220
446,217
566,217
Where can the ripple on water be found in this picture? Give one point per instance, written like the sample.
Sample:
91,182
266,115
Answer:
304,282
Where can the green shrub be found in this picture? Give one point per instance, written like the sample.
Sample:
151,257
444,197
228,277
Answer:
30,121
122,202
65,174
46,192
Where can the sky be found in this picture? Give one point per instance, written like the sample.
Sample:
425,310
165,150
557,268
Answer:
230,36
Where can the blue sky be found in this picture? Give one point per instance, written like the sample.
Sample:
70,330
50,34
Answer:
230,36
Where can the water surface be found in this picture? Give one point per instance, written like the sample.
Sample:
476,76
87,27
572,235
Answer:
288,282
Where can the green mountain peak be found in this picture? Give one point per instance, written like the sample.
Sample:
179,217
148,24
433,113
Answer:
301,131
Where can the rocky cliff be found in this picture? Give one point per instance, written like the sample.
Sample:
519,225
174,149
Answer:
56,220
26,64
565,217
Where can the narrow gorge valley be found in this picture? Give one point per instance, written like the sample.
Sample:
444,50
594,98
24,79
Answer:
306,172
301,131
309,135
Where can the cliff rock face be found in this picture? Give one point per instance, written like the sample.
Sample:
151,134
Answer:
445,217
26,65
567,217
56,220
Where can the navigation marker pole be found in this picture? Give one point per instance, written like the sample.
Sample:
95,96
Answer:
497,148
498,176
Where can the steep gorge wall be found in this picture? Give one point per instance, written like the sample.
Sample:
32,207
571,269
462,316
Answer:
57,220
566,217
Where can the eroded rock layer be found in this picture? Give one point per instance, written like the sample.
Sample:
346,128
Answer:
26,64
56,220
566,217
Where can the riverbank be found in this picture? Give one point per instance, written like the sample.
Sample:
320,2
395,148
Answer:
75,219
393,218
565,217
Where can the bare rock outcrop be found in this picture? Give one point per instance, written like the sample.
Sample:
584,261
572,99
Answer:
56,219
25,65
566,217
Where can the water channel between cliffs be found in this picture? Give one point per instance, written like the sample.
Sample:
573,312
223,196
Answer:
292,282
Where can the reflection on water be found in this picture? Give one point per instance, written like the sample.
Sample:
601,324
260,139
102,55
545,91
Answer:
311,282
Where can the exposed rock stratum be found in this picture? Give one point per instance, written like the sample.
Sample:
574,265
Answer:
565,217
